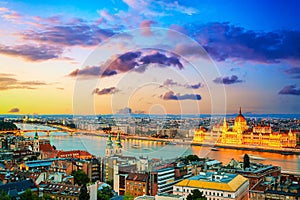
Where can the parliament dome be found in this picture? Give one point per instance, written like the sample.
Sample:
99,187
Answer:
240,117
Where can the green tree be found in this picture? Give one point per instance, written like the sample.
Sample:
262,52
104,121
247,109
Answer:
196,195
193,158
84,195
47,197
246,161
29,195
80,177
105,193
4,196
128,196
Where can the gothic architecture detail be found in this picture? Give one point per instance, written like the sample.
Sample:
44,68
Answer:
242,135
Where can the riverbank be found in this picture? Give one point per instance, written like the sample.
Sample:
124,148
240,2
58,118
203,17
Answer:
284,151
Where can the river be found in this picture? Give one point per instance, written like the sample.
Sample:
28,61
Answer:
96,146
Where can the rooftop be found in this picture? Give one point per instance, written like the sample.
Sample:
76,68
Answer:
215,181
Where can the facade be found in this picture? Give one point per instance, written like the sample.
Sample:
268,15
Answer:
62,191
284,186
241,135
215,186
78,154
162,180
137,184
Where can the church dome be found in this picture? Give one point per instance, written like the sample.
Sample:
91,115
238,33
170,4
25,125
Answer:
240,117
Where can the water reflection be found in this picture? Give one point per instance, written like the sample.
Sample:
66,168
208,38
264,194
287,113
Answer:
96,146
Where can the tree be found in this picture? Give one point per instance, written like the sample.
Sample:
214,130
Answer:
29,195
105,193
84,195
80,177
4,196
196,195
246,161
193,158
47,197
128,196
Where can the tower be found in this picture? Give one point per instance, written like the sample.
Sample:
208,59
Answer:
225,125
118,148
36,143
109,146
240,123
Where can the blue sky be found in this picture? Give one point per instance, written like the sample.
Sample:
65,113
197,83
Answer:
45,45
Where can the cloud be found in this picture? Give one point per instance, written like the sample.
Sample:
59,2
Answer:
124,111
169,83
8,81
290,90
88,71
32,52
162,59
14,110
104,91
294,72
69,34
146,27
171,96
224,41
227,80
129,61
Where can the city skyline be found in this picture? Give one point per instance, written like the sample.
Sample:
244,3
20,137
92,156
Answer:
46,51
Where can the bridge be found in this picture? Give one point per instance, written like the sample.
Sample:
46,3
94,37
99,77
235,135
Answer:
47,132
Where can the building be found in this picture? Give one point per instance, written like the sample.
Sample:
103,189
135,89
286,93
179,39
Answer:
15,189
215,186
36,165
78,154
137,184
62,191
255,173
243,136
162,180
284,186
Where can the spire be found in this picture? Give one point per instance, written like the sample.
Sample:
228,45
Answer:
240,111
118,140
109,142
36,136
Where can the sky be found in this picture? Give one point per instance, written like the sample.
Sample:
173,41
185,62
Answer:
152,57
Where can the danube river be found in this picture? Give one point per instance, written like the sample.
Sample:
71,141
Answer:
96,146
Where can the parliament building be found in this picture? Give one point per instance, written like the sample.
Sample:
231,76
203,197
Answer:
240,134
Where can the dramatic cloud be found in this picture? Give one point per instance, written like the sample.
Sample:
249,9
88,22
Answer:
225,41
79,33
104,91
171,96
130,61
14,110
32,52
290,90
162,59
8,81
294,72
170,83
227,80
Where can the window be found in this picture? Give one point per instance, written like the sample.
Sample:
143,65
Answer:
229,195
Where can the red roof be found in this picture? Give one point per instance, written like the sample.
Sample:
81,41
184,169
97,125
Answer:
46,147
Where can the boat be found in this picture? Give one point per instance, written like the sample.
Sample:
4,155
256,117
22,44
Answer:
147,149
136,146
254,157
214,149
172,143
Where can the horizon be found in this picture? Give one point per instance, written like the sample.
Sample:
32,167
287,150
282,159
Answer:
153,57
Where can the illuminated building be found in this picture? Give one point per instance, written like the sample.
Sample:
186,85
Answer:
215,186
241,135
